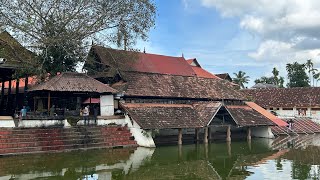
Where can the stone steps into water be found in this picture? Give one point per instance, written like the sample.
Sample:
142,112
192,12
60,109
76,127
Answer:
34,140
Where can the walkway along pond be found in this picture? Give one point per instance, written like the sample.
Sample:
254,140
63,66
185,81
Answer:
256,159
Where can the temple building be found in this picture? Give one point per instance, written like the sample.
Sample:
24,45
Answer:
167,95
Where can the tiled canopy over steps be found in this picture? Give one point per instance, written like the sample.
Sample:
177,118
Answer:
36,140
300,126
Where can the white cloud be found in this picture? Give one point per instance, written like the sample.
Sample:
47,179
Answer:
289,29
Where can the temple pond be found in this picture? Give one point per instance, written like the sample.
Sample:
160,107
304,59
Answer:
258,159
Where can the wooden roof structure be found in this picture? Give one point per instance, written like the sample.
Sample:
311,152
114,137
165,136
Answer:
164,116
73,82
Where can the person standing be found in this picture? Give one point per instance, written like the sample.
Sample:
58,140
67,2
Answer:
23,112
85,114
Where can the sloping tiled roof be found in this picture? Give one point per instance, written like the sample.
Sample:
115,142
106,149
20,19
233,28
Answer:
13,51
143,62
285,97
264,85
246,116
163,116
206,110
160,85
203,73
267,114
73,82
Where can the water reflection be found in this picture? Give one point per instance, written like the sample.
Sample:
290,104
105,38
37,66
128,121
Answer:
295,158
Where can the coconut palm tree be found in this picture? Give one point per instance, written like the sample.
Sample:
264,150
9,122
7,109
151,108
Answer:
316,76
311,70
241,79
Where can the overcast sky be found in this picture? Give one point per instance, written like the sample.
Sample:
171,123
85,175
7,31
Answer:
232,35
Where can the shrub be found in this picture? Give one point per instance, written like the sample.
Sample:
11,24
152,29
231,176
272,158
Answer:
73,120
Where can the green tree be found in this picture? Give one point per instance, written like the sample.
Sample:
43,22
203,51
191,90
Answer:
275,79
311,71
296,75
241,79
60,32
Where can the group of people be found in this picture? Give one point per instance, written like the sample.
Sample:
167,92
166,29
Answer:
85,112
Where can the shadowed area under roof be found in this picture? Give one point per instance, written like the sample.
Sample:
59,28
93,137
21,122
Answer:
73,82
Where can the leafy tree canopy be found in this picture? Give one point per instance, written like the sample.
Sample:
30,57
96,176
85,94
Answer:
61,31
297,75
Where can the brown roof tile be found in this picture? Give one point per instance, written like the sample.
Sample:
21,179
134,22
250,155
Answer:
285,97
246,116
161,85
73,82
164,116
142,62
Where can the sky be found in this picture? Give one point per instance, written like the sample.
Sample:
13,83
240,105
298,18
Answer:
227,36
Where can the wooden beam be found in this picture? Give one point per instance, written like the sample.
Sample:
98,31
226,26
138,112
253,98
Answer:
2,96
228,139
25,90
180,137
17,95
49,99
9,102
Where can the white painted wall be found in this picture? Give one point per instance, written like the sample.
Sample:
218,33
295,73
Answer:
6,121
262,132
40,123
106,105
142,137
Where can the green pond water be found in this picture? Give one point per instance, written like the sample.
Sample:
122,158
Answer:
295,158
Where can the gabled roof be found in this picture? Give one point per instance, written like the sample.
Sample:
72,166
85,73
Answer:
161,85
164,116
244,115
285,97
13,51
193,62
142,62
73,82
225,76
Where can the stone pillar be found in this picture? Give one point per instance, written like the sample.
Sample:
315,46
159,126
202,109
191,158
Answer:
249,134
210,133
229,148
9,101
180,137
205,137
196,134
228,139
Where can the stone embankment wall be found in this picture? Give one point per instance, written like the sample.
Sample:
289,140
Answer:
37,140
